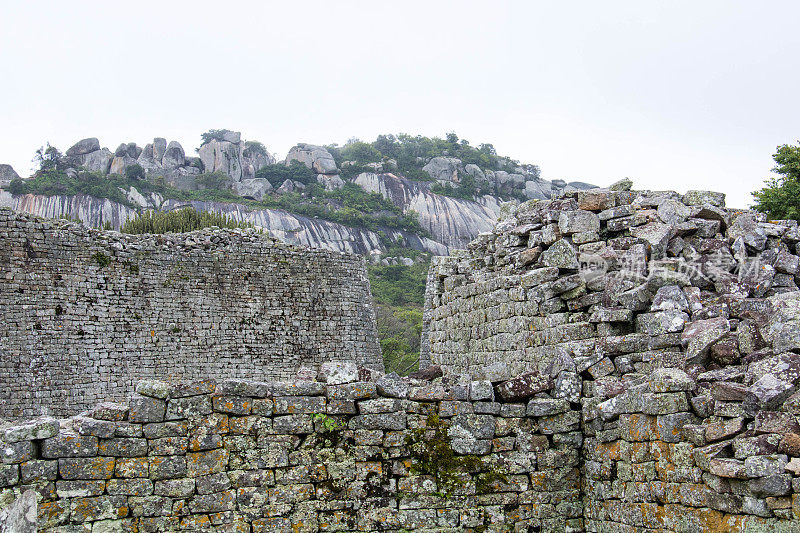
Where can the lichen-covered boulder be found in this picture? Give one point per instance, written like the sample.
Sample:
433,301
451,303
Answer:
783,326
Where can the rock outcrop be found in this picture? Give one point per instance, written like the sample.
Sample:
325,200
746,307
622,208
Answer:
452,221
523,181
449,222
7,175
227,154
314,157
289,227
318,159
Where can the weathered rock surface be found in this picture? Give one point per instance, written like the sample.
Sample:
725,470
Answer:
254,188
7,174
678,337
314,157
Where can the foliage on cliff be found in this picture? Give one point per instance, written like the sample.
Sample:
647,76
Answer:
412,152
295,171
351,206
54,182
780,199
179,221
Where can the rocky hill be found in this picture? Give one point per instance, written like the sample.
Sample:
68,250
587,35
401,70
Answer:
430,195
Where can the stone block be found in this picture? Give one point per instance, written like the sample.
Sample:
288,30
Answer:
153,388
295,405
392,386
663,403
98,508
670,426
765,465
206,462
143,409
41,428
165,429
17,452
175,488
524,386
132,467
80,488
130,487
670,380
38,470
69,445
293,424
187,406
167,467
428,393
360,390
385,421
298,388
230,404
113,412
337,373
539,407
123,447
86,468
241,387
773,485
638,427
198,387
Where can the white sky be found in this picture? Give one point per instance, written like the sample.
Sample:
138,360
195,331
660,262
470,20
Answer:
674,94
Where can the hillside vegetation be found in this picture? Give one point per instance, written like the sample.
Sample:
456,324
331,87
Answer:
351,205
399,292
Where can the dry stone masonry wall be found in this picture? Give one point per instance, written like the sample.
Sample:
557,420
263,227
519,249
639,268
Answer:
670,322
354,450
84,314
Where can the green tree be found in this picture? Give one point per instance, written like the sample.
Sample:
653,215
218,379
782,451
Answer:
214,135
49,158
360,152
780,199
134,172
17,186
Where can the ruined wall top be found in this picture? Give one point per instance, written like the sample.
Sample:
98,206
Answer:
672,322
602,263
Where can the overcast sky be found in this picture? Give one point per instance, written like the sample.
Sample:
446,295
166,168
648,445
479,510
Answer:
674,94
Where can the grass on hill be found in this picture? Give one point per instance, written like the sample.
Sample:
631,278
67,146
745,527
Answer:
179,221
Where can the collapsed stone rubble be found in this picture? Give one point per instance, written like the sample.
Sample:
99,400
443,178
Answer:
672,322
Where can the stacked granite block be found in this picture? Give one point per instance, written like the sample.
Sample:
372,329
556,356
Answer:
342,453
672,321
84,313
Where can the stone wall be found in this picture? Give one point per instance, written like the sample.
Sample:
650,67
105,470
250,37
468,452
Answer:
84,314
354,451
672,322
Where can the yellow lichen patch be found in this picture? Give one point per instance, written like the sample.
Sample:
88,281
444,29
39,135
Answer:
607,451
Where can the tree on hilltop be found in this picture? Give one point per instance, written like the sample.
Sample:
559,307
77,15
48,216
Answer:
780,199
